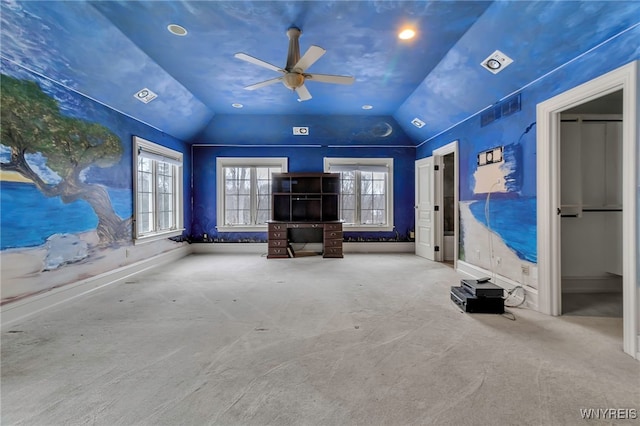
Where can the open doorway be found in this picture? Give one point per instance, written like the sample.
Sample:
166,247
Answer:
447,194
549,208
591,208
448,209
436,202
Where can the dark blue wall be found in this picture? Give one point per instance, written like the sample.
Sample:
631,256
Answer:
329,136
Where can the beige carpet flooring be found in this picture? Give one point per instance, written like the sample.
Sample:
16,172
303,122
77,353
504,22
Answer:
365,340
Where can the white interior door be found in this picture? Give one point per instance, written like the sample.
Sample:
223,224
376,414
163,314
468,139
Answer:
426,215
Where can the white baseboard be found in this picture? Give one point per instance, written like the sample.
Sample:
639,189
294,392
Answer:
474,271
229,248
379,247
348,247
606,284
19,310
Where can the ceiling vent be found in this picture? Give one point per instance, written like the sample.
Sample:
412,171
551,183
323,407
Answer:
501,109
496,62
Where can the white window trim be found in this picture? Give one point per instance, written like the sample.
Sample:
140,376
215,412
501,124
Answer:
221,163
368,162
145,148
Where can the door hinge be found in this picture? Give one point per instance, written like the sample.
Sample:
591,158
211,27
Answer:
436,248
436,208
436,167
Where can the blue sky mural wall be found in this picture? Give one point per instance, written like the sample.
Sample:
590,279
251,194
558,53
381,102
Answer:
54,230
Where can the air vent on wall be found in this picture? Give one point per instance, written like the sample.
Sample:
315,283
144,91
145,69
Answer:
501,109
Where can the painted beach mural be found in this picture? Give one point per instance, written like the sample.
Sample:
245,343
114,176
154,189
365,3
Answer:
498,198
65,187
497,209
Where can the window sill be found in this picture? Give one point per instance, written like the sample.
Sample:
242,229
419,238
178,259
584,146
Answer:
346,228
156,237
367,228
256,228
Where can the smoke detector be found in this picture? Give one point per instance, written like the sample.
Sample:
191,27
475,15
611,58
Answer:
417,122
496,62
301,131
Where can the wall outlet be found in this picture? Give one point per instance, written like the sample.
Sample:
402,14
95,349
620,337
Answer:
498,260
525,269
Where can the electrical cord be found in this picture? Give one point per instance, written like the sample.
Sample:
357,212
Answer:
509,315
488,220
487,214
511,292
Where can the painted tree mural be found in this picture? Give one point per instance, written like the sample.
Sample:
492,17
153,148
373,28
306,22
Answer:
31,123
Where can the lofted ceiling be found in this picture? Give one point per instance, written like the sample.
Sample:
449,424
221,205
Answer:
109,50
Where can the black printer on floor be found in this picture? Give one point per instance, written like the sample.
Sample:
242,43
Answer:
478,296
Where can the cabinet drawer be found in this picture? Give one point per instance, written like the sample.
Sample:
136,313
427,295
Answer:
277,227
277,252
333,227
332,252
332,235
304,225
333,243
277,235
278,243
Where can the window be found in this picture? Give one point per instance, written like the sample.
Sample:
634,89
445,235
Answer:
244,192
366,192
158,189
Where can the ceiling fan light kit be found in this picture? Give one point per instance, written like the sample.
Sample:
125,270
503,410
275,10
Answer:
293,74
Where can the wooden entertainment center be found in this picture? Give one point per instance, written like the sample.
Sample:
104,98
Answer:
305,203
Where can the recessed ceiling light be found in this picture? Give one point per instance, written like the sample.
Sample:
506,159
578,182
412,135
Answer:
367,106
494,64
406,34
236,105
176,29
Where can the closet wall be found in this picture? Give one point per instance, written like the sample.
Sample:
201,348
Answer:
591,200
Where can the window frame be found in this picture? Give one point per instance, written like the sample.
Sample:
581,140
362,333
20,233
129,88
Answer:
221,163
342,162
158,153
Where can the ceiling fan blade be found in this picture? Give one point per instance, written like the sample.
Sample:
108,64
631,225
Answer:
309,58
328,78
257,61
264,83
303,93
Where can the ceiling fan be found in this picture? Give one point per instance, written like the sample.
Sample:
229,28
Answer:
293,74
